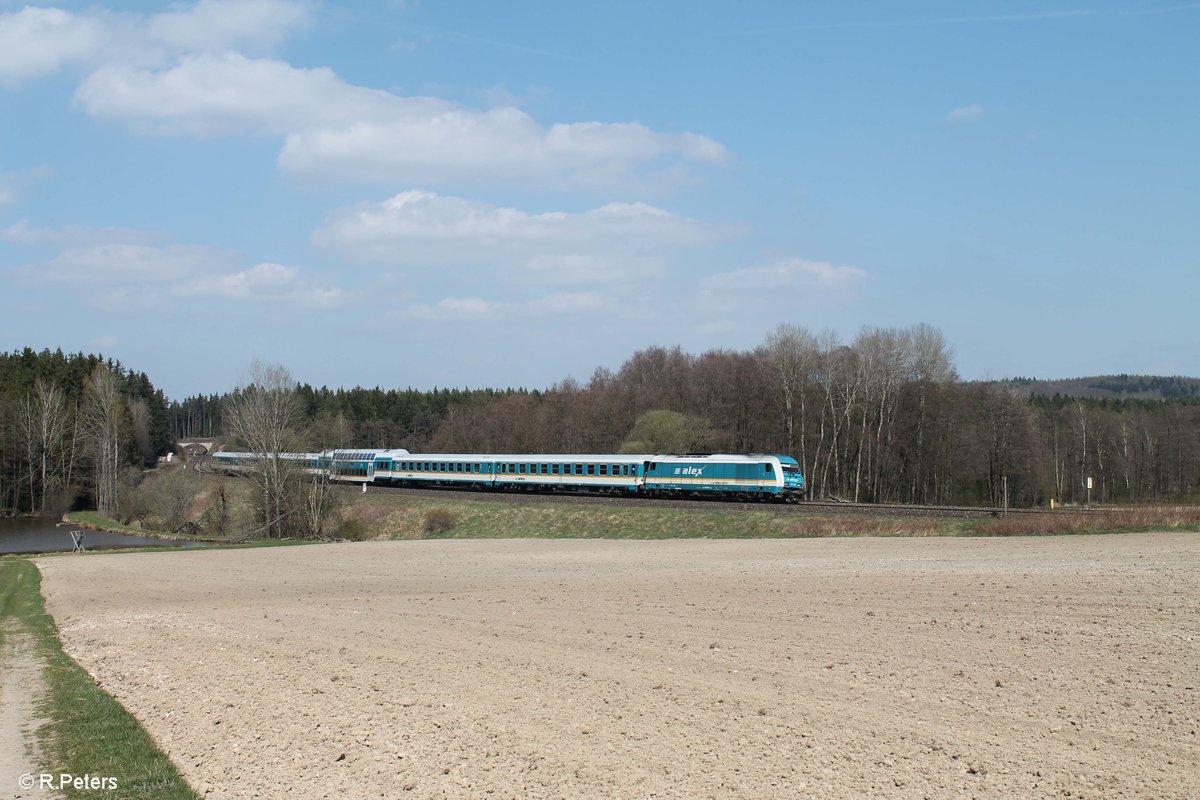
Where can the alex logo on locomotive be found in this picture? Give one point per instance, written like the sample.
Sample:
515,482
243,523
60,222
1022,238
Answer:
696,471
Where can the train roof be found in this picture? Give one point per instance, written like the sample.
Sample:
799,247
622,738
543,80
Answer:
605,457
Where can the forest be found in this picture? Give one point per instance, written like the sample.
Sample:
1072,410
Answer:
883,417
73,430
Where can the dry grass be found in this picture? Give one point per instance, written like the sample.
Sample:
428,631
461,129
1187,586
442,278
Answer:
1121,519
826,527
438,520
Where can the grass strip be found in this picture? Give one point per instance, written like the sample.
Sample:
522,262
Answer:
93,519
398,516
89,732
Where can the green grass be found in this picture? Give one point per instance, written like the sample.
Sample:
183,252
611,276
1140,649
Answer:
88,731
409,517
94,519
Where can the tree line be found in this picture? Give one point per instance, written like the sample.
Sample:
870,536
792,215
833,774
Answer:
882,417
74,430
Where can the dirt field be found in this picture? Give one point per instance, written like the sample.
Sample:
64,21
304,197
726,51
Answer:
941,668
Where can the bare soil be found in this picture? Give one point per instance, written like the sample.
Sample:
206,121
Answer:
940,668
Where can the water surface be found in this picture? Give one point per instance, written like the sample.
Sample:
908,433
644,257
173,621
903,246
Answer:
45,536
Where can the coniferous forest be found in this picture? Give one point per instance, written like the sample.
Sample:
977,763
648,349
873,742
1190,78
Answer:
881,418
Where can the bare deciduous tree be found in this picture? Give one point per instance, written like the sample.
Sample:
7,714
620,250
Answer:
104,422
266,416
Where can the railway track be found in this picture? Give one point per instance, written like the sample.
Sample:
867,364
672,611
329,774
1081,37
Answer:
706,504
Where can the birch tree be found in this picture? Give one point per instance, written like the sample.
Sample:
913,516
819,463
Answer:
103,411
266,416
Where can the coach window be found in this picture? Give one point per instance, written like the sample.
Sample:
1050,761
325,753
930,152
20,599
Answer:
604,469
591,469
767,467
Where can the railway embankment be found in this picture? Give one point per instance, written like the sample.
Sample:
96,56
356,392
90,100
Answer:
218,510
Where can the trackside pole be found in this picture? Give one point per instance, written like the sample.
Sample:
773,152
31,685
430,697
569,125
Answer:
364,488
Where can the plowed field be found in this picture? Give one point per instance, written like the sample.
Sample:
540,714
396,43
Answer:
943,668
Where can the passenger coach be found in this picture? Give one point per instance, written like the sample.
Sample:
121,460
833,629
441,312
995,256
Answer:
663,475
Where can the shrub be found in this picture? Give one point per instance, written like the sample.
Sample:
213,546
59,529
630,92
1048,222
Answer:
438,520
353,529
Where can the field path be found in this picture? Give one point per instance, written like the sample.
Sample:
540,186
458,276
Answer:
20,688
941,668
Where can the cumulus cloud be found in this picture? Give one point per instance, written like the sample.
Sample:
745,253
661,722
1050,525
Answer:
215,25
228,93
41,41
134,275
785,274
200,71
336,129
478,309
965,113
416,229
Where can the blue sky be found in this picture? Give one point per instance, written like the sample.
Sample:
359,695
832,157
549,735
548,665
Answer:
417,193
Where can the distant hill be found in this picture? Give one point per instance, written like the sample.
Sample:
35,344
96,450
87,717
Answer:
1120,387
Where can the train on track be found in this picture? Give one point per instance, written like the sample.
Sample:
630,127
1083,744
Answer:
762,476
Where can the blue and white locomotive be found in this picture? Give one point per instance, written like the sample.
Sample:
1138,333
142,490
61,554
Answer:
746,476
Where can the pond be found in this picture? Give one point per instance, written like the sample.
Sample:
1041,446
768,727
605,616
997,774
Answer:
45,536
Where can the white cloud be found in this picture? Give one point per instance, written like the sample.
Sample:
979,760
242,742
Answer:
7,196
214,25
39,41
965,113
336,129
190,72
228,93
418,229
262,282
788,273
478,309
500,144
135,276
